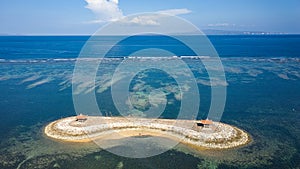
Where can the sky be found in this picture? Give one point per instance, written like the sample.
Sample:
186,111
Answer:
84,17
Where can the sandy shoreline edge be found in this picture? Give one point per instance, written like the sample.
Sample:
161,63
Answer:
218,136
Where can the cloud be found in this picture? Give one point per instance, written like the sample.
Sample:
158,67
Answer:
106,10
153,20
109,10
143,20
221,25
175,12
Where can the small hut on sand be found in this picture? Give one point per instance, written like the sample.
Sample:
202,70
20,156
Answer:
205,123
81,118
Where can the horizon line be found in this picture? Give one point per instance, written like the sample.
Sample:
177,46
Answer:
209,34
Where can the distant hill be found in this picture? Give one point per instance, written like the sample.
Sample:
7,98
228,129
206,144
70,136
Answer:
228,32
206,31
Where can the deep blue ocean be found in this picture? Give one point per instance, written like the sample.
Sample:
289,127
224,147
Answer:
263,98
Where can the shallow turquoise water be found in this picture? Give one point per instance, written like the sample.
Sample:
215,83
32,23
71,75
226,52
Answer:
262,98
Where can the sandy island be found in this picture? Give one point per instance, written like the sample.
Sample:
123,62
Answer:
216,135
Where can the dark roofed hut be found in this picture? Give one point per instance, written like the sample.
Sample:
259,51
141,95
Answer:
81,118
205,123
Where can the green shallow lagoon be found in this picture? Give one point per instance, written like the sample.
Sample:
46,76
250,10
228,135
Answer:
266,106
262,98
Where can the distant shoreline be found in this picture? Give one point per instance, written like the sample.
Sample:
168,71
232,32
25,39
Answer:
207,34
217,136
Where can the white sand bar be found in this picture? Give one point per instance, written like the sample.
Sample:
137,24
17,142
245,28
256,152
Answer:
215,136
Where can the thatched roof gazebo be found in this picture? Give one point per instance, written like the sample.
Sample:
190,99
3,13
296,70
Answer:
205,123
81,118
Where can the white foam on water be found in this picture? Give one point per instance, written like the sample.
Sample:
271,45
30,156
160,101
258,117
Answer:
31,78
283,76
38,83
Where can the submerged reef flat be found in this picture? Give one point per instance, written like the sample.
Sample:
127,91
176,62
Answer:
215,135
